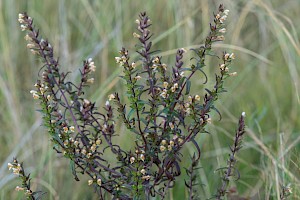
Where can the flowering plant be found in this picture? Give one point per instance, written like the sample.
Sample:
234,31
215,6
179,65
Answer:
162,114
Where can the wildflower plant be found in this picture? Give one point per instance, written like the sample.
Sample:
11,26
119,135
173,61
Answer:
162,114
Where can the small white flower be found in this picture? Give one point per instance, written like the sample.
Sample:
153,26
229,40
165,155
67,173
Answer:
90,182
162,148
136,35
23,27
233,74
223,18
90,80
18,188
226,12
165,84
197,97
137,78
111,97
99,181
10,166
243,114
72,129
163,142
133,65
132,159
222,30
143,171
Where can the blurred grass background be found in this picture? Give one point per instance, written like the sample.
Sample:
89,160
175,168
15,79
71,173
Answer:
262,33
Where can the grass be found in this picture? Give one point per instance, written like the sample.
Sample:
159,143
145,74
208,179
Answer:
262,33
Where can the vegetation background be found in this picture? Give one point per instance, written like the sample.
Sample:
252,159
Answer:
262,33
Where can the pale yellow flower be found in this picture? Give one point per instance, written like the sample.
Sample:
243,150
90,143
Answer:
233,74
143,171
99,181
90,182
111,97
136,35
132,159
90,80
137,78
98,142
165,84
162,148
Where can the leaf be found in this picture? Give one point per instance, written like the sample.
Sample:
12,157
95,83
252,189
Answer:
72,166
130,113
188,87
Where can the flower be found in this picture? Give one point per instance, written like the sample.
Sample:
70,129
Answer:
99,181
34,94
165,84
190,98
162,148
111,97
76,143
163,142
243,114
118,60
146,177
83,151
133,65
226,12
232,56
93,148
143,171
10,166
65,129
142,157
66,142
226,56
28,192
169,147
164,66
222,19
197,97
220,38
72,129
90,182
171,143
180,140
98,142
137,78
136,35
233,74
132,159
92,66
171,125
222,30
30,46
164,94
90,80
18,188
173,89
23,27
155,60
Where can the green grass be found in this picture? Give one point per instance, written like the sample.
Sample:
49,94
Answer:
262,33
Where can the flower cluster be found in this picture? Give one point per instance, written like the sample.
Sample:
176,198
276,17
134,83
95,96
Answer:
18,169
162,113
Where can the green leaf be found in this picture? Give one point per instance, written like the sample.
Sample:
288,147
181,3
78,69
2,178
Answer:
72,166
188,87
